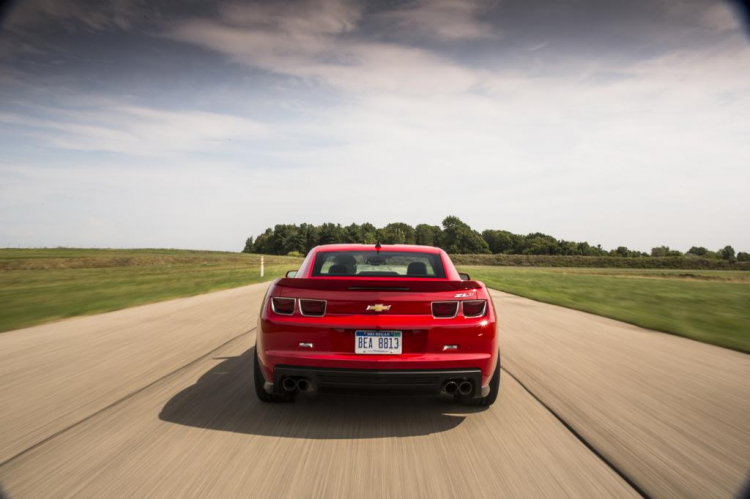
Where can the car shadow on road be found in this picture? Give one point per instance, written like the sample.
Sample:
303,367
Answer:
223,399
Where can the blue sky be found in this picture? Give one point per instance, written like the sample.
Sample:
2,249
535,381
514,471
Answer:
186,124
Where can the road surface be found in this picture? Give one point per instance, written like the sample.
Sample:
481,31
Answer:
156,401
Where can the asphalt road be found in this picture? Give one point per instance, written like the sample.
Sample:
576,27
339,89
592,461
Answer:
156,401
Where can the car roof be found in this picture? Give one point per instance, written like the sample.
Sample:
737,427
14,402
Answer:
410,248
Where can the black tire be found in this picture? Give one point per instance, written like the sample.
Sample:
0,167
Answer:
494,390
258,379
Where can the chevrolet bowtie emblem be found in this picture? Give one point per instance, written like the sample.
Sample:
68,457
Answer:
378,307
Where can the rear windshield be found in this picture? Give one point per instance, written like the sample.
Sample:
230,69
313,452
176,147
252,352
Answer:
374,264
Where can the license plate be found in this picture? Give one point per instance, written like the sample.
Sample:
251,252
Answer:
377,342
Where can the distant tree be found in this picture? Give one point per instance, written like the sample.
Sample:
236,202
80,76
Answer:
249,245
455,236
499,241
264,243
743,256
727,253
586,249
460,238
661,251
697,251
331,234
541,244
622,251
438,236
427,235
295,242
369,233
398,233
568,248
353,234
277,239
311,236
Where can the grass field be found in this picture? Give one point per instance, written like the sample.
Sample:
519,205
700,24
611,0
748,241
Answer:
708,306
39,286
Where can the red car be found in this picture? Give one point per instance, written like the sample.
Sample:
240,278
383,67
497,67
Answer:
358,318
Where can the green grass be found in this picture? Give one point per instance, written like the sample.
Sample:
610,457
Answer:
708,306
38,286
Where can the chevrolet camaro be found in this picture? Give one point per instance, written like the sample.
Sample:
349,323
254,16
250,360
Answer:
391,318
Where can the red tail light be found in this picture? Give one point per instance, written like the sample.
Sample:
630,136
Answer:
312,308
474,308
282,306
444,309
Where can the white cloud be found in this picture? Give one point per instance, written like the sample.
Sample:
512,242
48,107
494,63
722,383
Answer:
717,16
136,130
295,43
445,19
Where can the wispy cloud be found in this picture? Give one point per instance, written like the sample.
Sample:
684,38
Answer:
445,19
73,15
296,18
135,130
318,47
721,17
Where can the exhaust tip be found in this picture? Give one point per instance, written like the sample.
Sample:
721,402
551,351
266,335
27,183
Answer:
289,384
303,385
465,388
451,387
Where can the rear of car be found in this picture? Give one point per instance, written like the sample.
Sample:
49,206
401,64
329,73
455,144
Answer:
361,318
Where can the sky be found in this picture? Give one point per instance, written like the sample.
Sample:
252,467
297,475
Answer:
188,124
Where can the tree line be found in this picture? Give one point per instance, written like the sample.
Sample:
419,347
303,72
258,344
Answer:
455,237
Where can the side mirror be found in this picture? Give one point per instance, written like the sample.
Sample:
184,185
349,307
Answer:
464,276
291,273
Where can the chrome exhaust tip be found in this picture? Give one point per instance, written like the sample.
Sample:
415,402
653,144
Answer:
465,388
303,385
289,384
451,387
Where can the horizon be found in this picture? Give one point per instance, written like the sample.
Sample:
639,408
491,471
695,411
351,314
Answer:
255,236
165,125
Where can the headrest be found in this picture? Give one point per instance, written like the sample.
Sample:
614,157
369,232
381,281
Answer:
416,268
338,269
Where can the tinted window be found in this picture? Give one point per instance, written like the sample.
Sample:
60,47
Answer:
374,264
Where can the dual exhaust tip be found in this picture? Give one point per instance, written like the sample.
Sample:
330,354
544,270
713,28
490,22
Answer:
460,387
291,384
451,387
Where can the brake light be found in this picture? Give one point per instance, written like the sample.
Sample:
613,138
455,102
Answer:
282,306
312,308
474,308
444,309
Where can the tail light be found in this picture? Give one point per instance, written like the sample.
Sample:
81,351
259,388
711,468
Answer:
444,309
474,308
312,308
282,306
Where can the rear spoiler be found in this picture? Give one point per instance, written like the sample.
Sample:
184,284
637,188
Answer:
364,284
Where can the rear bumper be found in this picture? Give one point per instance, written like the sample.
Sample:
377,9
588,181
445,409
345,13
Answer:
424,382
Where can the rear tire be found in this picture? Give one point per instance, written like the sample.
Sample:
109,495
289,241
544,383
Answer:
260,391
494,390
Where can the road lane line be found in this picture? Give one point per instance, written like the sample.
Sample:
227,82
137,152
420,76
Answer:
580,438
